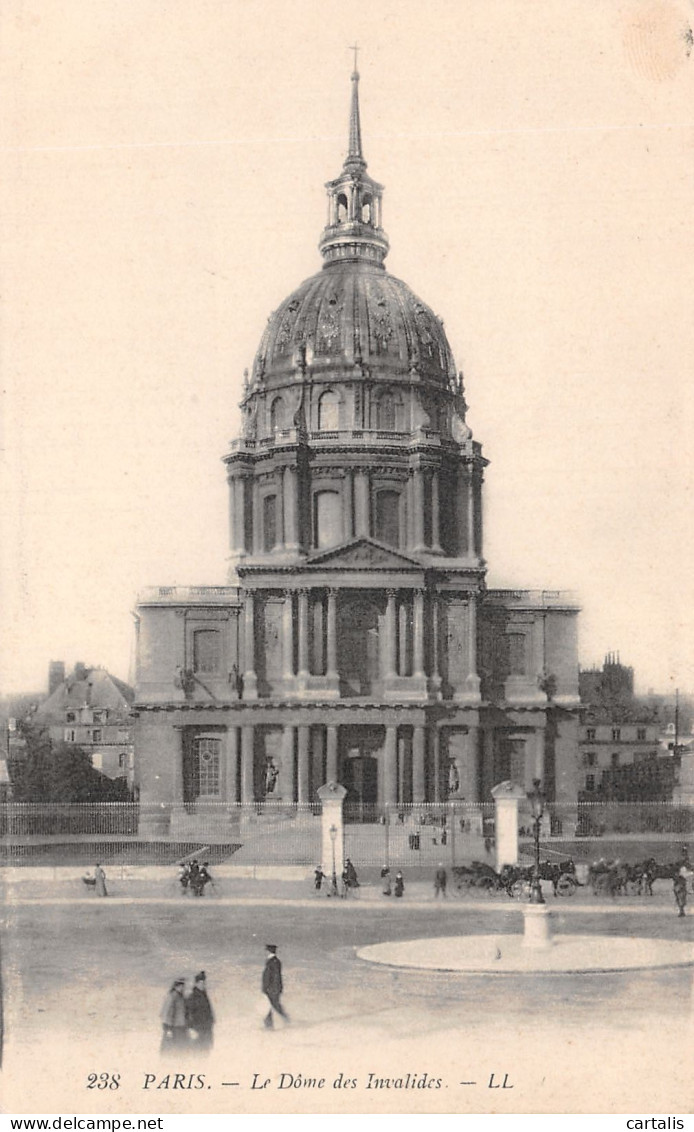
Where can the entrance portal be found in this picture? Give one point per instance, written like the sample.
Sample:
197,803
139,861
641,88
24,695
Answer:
358,771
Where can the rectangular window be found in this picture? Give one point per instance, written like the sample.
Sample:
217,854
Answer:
590,733
590,783
516,654
615,759
640,732
616,734
269,522
96,736
70,717
122,759
590,757
208,767
206,650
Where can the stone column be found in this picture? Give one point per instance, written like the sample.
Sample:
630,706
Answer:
257,518
436,743
435,679
471,540
348,505
331,634
291,508
419,509
362,505
303,762
418,780
303,635
534,758
435,516
331,753
418,634
390,637
472,680
234,518
288,635
390,767
177,781
247,759
231,748
285,783
250,680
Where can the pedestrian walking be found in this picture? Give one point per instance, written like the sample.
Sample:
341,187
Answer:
440,880
100,881
385,878
319,877
399,884
273,986
679,887
199,1013
173,1018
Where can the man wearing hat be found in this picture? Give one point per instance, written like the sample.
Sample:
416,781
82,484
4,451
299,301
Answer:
272,986
199,1013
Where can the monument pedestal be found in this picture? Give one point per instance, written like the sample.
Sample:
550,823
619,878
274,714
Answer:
537,927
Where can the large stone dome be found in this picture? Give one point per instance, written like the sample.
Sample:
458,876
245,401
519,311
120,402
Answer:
354,313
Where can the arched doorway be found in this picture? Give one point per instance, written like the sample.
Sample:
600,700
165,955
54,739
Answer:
360,747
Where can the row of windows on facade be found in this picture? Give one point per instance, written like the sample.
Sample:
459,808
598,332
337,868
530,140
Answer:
591,734
91,735
328,519
208,656
387,413
96,715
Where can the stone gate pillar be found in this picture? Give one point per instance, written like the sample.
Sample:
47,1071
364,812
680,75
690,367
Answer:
332,796
506,797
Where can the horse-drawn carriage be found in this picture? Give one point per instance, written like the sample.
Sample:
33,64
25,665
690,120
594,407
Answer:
515,880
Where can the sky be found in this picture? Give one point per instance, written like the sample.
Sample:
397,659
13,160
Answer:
163,190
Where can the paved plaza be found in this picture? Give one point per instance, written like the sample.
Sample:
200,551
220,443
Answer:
85,979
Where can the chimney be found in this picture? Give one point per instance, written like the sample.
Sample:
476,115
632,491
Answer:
80,670
56,675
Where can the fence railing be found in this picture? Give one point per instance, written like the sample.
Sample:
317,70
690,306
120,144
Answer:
277,833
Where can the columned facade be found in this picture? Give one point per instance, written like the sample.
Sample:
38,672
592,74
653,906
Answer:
355,640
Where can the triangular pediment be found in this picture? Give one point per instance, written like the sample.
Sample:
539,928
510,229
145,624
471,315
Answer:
364,553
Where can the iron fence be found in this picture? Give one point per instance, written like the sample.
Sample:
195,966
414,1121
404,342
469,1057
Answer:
276,833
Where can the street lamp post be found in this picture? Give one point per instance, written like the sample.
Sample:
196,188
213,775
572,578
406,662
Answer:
537,802
333,838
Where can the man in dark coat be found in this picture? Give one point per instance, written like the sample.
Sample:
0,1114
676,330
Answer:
199,1013
272,986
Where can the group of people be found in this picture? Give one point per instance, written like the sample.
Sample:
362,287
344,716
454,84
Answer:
387,888
187,1019
350,880
194,877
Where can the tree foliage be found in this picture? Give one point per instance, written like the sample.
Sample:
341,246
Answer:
61,772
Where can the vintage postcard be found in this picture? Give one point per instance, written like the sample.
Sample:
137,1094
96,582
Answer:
347,669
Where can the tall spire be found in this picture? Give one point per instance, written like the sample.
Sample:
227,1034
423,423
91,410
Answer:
354,231
355,156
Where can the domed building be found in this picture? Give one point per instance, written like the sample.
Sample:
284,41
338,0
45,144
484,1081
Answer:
355,640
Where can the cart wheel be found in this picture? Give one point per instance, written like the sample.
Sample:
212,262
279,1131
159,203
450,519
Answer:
566,885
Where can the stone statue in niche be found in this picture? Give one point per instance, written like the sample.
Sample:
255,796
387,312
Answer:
271,775
453,777
250,420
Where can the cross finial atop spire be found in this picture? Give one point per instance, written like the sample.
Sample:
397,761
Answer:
354,153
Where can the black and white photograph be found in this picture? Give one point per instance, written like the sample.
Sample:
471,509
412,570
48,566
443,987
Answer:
347,667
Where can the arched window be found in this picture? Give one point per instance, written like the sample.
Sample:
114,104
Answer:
386,412
341,208
329,412
207,650
207,753
269,522
327,519
366,209
277,414
388,517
